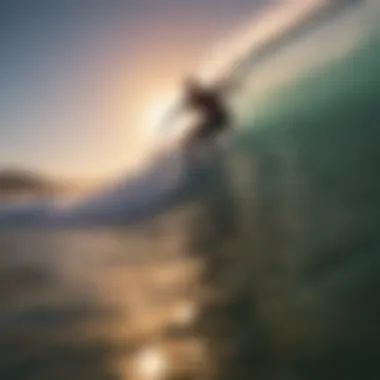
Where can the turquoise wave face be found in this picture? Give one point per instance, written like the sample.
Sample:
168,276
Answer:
312,209
341,92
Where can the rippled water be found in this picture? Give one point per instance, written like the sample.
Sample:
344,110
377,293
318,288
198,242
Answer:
95,304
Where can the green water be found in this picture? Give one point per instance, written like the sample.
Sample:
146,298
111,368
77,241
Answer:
308,264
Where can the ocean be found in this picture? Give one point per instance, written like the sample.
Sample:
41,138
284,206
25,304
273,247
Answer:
272,275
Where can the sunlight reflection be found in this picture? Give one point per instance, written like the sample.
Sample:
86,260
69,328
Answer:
150,364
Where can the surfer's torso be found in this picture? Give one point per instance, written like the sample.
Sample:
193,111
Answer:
209,104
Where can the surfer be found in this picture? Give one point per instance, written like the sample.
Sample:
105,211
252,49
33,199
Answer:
210,104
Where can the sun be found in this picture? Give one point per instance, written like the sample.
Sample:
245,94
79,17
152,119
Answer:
157,107
166,123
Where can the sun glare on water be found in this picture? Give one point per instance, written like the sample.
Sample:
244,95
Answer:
150,364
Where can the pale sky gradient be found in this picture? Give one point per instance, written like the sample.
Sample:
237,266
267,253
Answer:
77,77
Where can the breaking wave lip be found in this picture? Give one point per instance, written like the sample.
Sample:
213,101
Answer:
277,27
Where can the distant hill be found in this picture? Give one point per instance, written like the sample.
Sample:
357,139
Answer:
23,182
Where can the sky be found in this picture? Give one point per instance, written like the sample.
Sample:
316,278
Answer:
79,78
